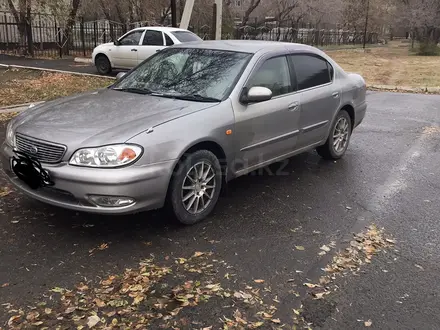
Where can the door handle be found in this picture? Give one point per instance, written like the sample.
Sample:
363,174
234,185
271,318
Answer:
335,95
294,106
134,50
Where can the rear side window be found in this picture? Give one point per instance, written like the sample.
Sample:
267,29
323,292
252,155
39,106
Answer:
153,38
311,71
168,40
186,36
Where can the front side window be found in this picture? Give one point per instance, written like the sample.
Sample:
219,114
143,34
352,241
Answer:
132,38
311,71
187,72
153,38
273,74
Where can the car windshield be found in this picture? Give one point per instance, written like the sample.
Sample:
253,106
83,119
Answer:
189,73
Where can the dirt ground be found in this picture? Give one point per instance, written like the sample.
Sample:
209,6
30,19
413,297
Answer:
394,65
22,86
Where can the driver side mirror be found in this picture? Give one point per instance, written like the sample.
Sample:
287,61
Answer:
256,94
116,42
120,75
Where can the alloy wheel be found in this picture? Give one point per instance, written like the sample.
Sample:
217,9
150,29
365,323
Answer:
198,187
340,135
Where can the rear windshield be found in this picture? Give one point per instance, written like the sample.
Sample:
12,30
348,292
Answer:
185,36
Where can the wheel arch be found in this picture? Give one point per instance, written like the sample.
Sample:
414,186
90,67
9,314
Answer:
206,144
350,110
101,53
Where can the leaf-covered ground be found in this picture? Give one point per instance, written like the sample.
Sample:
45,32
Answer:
23,86
393,65
182,293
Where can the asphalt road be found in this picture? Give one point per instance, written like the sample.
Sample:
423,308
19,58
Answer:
271,227
64,64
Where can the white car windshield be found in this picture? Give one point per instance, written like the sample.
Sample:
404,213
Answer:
192,73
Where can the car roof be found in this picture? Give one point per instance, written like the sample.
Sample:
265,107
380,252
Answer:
160,28
249,46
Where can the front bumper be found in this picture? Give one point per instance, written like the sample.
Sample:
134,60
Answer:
147,185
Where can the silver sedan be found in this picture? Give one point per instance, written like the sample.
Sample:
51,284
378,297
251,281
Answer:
179,126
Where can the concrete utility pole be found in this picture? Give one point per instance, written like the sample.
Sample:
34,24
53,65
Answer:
218,19
186,16
366,22
187,11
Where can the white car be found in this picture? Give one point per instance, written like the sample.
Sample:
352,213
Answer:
137,45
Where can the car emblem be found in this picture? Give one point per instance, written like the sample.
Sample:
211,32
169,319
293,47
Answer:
33,150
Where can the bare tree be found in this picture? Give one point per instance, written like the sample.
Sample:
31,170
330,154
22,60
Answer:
253,4
423,19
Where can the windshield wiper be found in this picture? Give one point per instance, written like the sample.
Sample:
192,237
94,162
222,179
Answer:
134,90
196,97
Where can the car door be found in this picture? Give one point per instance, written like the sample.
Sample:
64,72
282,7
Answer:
269,129
152,42
320,96
125,53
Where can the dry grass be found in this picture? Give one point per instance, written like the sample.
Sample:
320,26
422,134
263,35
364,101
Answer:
393,65
22,86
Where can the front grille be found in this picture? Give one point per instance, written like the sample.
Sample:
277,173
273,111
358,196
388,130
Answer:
45,152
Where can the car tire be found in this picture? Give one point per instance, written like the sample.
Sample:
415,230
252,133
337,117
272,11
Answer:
103,64
193,197
338,139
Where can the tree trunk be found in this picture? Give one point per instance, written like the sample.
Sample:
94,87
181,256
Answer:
164,15
69,25
252,6
20,19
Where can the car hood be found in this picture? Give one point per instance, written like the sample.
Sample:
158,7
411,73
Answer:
101,117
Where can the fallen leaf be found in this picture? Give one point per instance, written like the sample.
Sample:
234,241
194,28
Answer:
82,287
4,285
137,300
70,310
311,285
299,247
267,315
259,281
420,267
103,246
12,319
368,323
325,248
92,321
58,290
198,254
348,207
99,302
320,295
4,191
47,310
277,321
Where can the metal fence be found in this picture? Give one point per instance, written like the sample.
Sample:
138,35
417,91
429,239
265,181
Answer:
45,35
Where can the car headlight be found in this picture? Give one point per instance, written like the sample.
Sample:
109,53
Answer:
10,135
106,156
